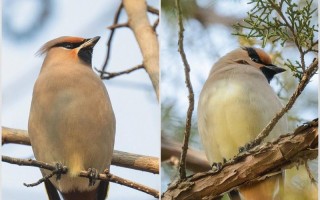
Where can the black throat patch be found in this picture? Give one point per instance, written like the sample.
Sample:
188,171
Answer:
85,54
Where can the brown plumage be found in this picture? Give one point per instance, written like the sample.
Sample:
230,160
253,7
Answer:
71,118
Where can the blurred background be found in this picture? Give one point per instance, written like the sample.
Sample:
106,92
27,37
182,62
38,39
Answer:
208,36
26,26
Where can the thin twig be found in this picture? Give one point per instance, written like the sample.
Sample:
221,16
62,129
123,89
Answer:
182,167
109,75
313,180
114,26
152,10
86,174
41,180
155,24
115,21
312,69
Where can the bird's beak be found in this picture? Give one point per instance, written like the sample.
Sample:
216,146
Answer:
90,42
274,69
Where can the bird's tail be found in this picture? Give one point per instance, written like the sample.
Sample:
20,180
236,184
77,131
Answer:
269,189
100,193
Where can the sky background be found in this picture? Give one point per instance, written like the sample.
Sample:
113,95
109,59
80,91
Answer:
132,96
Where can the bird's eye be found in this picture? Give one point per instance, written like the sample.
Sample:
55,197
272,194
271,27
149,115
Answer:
255,60
68,46
242,62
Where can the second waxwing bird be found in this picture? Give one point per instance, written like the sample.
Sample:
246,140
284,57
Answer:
71,119
235,104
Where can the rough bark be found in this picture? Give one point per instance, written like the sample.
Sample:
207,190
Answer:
263,161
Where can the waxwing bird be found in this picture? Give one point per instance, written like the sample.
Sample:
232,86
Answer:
235,104
71,119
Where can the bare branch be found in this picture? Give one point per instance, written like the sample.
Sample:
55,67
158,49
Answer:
152,10
135,161
182,168
114,26
263,161
155,24
103,177
109,75
313,180
146,38
115,21
14,136
312,69
119,158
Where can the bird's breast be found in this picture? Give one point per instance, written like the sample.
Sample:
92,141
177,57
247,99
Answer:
232,111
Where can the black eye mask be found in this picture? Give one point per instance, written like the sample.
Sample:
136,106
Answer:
69,45
253,55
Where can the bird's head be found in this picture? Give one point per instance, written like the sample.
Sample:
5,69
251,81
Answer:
254,57
67,48
261,60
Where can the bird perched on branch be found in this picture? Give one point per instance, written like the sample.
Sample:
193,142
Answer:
71,119
235,104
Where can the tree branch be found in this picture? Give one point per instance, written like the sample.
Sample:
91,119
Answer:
119,158
255,165
182,168
152,10
103,177
146,38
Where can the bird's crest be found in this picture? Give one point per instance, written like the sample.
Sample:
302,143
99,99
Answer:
47,46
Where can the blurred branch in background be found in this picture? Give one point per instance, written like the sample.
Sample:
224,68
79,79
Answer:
10,22
195,160
205,15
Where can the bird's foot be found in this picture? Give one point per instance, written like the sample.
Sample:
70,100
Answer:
224,160
60,169
93,175
246,147
216,166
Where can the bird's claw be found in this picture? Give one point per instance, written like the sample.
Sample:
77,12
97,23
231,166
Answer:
59,170
93,175
216,166
246,147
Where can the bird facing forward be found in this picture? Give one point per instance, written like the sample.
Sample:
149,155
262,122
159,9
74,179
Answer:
71,119
235,104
